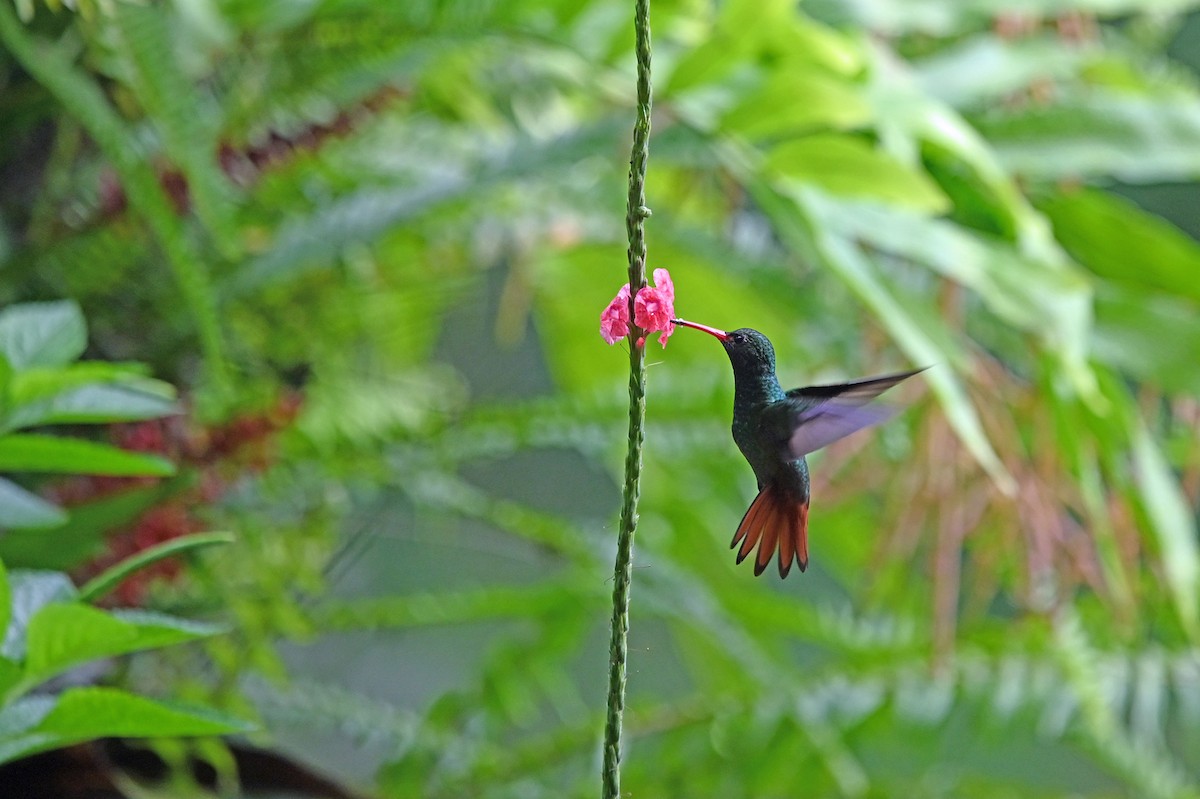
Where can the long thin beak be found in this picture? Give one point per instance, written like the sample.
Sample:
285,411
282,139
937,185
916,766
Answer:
712,331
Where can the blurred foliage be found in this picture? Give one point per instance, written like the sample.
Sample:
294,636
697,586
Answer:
414,212
50,631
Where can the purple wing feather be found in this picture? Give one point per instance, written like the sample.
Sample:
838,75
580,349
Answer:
824,414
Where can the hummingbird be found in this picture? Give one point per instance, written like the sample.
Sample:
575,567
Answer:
775,429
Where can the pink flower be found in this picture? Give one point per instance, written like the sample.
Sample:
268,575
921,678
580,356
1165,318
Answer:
653,310
614,321
654,307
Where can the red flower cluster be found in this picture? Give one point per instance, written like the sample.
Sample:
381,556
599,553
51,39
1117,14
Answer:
653,310
218,456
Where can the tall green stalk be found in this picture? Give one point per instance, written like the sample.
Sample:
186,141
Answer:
635,225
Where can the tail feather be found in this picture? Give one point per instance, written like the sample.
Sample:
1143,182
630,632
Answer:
750,529
773,522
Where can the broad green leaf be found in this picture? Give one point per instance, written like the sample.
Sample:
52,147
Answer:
1116,239
797,101
90,391
847,167
23,509
1129,335
81,714
30,452
93,405
1132,138
63,635
42,334
31,591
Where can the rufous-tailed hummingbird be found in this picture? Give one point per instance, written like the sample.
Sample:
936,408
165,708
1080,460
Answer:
775,429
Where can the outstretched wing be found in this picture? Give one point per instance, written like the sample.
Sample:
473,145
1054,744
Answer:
820,415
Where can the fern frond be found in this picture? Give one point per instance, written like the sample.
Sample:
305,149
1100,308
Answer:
185,117
82,98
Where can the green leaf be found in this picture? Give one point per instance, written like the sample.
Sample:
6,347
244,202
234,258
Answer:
797,101
6,391
848,167
769,29
988,67
110,578
1129,335
85,100
1118,240
29,452
10,675
86,392
94,405
1051,298
921,335
63,635
82,536
1173,521
35,724
185,117
42,334
17,722
5,602
1133,138
31,591
23,509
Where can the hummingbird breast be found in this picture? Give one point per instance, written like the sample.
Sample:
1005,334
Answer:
758,447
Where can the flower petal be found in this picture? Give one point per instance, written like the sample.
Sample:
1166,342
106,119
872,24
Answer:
614,320
663,282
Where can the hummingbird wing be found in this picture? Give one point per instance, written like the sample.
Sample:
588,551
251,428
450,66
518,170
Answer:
819,415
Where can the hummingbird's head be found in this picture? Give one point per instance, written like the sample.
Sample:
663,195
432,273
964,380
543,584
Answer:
749,351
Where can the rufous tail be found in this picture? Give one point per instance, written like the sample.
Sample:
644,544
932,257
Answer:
774,522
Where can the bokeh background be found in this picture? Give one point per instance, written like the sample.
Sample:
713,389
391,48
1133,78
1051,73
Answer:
370,242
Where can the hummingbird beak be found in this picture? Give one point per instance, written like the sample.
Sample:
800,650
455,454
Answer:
712,331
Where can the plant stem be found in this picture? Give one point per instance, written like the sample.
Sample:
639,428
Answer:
635,225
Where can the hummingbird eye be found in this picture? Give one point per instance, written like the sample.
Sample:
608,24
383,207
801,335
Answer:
737,338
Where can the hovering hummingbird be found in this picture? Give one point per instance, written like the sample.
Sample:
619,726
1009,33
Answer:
775,429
